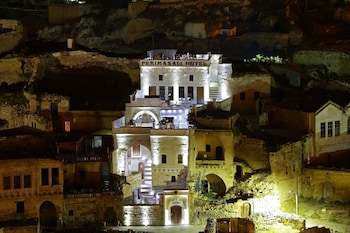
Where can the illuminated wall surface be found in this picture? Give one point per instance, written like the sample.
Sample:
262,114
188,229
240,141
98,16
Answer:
192,78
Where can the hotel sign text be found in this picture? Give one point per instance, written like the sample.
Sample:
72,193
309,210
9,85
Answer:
174,63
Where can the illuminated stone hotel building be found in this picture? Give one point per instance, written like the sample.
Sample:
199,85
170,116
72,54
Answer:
152,139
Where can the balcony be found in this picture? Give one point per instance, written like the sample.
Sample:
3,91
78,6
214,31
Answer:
209,162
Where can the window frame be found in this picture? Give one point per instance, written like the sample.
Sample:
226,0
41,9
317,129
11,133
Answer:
323,129
330,128
164,159
242,96
6,183
45,177
336,128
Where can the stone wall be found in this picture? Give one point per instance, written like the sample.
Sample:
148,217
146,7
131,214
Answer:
292,119
82,209
335,61
252,153
21,229
9,40
254,86
140,215
81,59
88,121
33,194
327,184
92,170
199,166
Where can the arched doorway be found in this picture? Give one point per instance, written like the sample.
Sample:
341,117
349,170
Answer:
145,119
216,184
176,214
246,210
48,214
327,190
141,169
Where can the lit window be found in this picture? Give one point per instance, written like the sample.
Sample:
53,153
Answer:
323,129
163,158
330,129
191,77
160,77
16,182
97,141
242,96
7,182
337,128
67,126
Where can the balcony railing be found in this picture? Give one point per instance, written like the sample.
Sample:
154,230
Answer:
66,158
207,162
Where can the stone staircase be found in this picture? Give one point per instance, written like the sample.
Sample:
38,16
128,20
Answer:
146,186
213,92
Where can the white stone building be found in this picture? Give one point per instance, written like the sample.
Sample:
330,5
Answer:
332,128
152,138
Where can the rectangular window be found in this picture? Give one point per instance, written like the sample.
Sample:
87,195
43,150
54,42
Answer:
54,176
191,77
81,175
97,141
27,181
7,182
20,207
207,148
323,129
170,93
44,176
160,77
17,182
71,212
173,179
162,92
181,92
330,129
348,125
163,158
242,96
256,95
337,128
179,158
189,93
67,126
